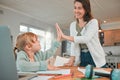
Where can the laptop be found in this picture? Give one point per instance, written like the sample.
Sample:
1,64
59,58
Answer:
8,69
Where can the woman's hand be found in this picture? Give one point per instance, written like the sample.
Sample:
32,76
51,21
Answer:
62,35
59,31
58,34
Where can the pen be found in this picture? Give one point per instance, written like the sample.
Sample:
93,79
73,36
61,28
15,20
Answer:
65,75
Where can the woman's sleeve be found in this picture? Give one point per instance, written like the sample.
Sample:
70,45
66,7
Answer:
23,64
72,33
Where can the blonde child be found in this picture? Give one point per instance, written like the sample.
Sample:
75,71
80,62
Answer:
29,56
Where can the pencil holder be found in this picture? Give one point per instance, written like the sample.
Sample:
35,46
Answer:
88,71
114,74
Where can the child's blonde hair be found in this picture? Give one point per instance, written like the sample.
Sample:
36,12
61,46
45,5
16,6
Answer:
23,40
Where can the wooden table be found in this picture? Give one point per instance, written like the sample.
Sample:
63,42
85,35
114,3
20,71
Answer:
77,75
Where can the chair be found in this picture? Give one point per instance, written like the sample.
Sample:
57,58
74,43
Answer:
8,69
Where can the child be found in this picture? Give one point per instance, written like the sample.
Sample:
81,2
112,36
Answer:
29,56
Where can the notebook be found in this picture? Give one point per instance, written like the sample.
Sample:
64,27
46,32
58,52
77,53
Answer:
7,61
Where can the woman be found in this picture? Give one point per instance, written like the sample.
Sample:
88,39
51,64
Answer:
85,45
29,56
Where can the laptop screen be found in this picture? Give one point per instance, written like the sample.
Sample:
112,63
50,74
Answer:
8,69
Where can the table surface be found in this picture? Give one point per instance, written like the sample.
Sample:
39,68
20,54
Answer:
77,74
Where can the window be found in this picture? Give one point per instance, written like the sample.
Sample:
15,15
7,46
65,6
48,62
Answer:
23,28
45,37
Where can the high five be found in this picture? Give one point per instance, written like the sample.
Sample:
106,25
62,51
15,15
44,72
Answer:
85,45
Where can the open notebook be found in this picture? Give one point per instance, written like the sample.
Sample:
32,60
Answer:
7,62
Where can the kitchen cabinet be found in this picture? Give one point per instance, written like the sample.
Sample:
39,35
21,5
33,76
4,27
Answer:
108,38
116,34
118,65
111,37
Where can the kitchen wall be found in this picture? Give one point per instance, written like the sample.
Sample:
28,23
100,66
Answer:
114,49
111,25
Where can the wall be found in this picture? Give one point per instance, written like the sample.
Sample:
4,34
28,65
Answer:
13,19
111,25
114,49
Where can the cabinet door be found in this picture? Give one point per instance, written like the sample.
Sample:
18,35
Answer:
116,36
118,65
108,38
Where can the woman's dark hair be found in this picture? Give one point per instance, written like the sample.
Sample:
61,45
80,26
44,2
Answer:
86,5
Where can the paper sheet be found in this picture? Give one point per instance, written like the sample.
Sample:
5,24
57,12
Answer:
41,78
81,70
60,61
24,73
61,71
